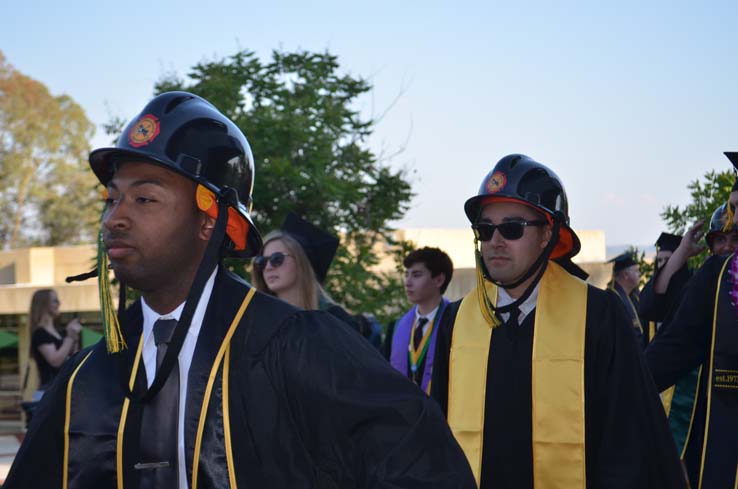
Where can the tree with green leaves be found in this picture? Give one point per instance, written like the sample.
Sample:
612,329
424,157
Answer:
706,196
310,145
47,193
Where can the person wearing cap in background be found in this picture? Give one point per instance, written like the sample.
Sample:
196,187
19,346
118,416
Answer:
536,370
722,236
204,382
656,302
625,277
703,333
428,272
660,298
293,265
721,239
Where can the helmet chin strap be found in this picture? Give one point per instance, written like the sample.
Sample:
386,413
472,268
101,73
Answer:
209,261
537,270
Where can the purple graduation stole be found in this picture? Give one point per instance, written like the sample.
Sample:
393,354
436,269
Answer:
401,341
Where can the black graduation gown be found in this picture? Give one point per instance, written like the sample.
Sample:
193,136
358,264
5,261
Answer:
631,304
685,343
659,307
627,440
311,405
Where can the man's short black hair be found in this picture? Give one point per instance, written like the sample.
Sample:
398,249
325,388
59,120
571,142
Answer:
434,260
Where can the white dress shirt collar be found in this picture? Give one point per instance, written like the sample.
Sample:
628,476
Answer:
503,299
428,316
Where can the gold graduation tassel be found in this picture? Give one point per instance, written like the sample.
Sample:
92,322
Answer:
729,213
484,304
113,336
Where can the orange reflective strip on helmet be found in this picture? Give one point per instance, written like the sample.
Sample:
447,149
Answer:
237,227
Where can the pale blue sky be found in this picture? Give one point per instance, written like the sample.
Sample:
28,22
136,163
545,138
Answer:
627,102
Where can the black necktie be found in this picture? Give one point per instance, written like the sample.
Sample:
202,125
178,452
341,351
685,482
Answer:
418,333
514,315
159,447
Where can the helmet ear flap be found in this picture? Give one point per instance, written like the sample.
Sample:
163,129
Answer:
237,227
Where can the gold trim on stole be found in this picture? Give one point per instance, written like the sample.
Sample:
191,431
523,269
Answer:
224,352
67,420
227,420
557,381
709,373
666,397
208,390
124,415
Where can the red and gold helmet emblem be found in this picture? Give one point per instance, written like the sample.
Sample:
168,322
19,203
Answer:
144,131
496,182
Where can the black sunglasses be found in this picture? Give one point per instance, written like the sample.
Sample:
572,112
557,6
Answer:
276,259
510,230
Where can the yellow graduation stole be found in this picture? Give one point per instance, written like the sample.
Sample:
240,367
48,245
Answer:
557,380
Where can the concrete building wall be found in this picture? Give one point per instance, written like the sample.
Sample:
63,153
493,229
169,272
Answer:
73,260
22,273
45,267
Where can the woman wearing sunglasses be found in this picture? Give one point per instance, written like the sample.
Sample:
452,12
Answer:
283,270
294,263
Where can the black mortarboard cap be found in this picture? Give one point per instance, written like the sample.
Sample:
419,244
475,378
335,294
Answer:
668,242
733,157
320,246
622,261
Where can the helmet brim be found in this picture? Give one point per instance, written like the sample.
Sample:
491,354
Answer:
102,159
568,244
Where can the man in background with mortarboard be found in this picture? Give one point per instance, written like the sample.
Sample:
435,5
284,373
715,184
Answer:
703,333
722,235
663,290
660,298
625,277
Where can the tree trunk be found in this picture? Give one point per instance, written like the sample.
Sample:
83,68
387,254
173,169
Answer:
20,204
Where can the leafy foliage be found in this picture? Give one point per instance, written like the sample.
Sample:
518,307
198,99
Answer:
309,141
706,196
47,193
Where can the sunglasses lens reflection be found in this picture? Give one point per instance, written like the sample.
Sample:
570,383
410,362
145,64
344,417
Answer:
509,230
276,259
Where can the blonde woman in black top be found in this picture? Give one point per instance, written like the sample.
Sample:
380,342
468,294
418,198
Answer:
50,346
